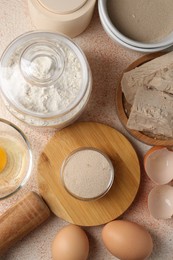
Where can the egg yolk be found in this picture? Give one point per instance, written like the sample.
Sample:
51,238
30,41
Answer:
3,159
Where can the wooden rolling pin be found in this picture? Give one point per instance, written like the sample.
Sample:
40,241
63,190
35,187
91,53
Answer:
21,219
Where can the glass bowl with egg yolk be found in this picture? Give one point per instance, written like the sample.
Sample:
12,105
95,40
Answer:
15,159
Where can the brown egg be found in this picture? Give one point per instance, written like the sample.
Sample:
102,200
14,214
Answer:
127,240
71,243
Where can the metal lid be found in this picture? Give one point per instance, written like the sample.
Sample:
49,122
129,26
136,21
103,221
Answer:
62,7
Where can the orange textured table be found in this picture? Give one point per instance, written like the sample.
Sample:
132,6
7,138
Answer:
107,60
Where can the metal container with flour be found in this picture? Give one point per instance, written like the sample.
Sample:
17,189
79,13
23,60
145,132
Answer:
45,79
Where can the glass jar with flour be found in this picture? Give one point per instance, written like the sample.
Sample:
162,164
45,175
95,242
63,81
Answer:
45,79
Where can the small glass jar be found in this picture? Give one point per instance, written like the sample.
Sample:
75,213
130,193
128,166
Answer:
45,79
15,159
87,173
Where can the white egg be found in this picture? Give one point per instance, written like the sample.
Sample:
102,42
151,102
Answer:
160,202
159,166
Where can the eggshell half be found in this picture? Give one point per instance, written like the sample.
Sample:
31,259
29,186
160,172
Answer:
71,243
158,164
160,202
127,240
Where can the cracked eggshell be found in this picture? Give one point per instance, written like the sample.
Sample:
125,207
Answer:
158,164
160,202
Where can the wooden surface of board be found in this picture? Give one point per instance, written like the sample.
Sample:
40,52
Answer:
121,194
123,108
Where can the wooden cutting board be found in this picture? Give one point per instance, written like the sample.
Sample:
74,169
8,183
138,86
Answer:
126,165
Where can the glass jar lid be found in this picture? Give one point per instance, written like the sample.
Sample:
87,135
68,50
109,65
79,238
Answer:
43,74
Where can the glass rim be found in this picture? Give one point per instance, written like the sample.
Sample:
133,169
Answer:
111,180
102,4
30,160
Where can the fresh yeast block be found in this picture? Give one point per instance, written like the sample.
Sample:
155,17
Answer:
157,74
152,111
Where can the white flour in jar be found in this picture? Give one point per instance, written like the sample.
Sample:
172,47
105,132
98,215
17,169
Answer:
45,100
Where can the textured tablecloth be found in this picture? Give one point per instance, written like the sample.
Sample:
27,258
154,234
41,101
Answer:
107,60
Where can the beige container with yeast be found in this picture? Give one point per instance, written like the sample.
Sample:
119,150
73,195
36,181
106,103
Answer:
67,17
